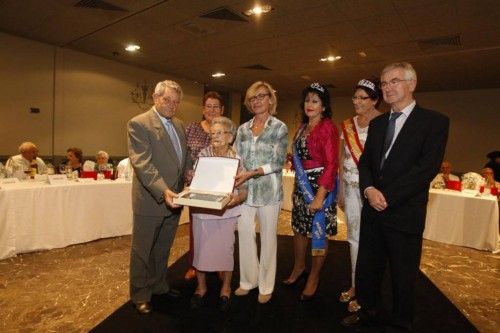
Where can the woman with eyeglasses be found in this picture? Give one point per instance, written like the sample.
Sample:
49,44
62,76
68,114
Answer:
197,138
366,99
314,215
262,144
213,230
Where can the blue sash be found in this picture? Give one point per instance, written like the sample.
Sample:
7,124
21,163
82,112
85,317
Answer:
318,236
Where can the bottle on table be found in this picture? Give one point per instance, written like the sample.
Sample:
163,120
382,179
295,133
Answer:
33,169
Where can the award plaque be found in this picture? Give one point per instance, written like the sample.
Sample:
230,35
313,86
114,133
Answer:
212,184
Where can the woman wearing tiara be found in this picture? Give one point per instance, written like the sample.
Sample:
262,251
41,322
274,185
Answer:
367,97
315,159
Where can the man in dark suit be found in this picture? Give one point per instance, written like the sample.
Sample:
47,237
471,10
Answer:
402,154
157,150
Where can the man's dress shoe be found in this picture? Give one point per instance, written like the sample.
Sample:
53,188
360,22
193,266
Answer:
173,294
143,307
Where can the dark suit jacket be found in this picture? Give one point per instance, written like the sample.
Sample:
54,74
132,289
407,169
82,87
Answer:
155,162
412,163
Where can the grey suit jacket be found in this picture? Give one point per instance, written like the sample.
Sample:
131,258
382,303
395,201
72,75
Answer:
155,162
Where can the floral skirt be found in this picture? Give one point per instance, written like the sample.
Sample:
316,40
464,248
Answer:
302,218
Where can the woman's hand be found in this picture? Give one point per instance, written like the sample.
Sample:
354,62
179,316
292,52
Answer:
315,205
246,175
233,201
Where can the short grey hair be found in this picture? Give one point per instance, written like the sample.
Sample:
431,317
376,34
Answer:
102,153
27,146
410,73
161,86
226,122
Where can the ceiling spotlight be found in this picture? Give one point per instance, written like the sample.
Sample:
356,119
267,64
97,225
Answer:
132,47
219,74
331,58
362,54
258,10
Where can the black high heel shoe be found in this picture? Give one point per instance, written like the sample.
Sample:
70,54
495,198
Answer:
307,298
288,283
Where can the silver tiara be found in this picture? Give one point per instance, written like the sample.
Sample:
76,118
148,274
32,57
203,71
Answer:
367,84
318,87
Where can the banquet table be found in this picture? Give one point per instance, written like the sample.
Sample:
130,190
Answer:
463,219
38,216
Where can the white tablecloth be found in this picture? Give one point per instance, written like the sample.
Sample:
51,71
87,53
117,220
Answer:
37,216
462,219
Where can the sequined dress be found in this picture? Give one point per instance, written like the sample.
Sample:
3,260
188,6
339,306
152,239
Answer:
301,218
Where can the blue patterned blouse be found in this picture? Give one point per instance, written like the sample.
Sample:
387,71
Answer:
268,151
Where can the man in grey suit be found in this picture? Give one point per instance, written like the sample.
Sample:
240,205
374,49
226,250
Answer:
157,150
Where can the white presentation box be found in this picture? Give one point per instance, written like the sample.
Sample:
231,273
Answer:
212,184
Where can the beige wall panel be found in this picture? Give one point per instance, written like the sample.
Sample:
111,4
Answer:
26,81
93,101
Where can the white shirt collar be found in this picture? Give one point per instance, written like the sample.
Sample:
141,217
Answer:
408,109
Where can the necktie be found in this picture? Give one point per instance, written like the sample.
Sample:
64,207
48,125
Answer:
389,135
174,138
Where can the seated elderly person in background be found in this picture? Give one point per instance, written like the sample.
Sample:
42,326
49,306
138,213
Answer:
489,180
28,153
102,161
75,159
441,178
124,169
494,163
100,164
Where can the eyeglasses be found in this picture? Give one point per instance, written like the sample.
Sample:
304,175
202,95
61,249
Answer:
258,97
393,82
359,98
213,107
168,101
218,133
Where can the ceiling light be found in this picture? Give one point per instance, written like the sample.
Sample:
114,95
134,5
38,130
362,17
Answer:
132,47
362,54
331,58
219,74
258,9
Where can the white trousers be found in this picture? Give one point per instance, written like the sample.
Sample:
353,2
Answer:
254,272
353,206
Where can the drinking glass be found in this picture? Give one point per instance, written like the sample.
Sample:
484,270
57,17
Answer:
62,168
69,172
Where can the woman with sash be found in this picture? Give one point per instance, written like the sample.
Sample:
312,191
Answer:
262,143
366,99
315,159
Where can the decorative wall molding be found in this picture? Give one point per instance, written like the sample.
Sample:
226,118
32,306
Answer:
142,95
